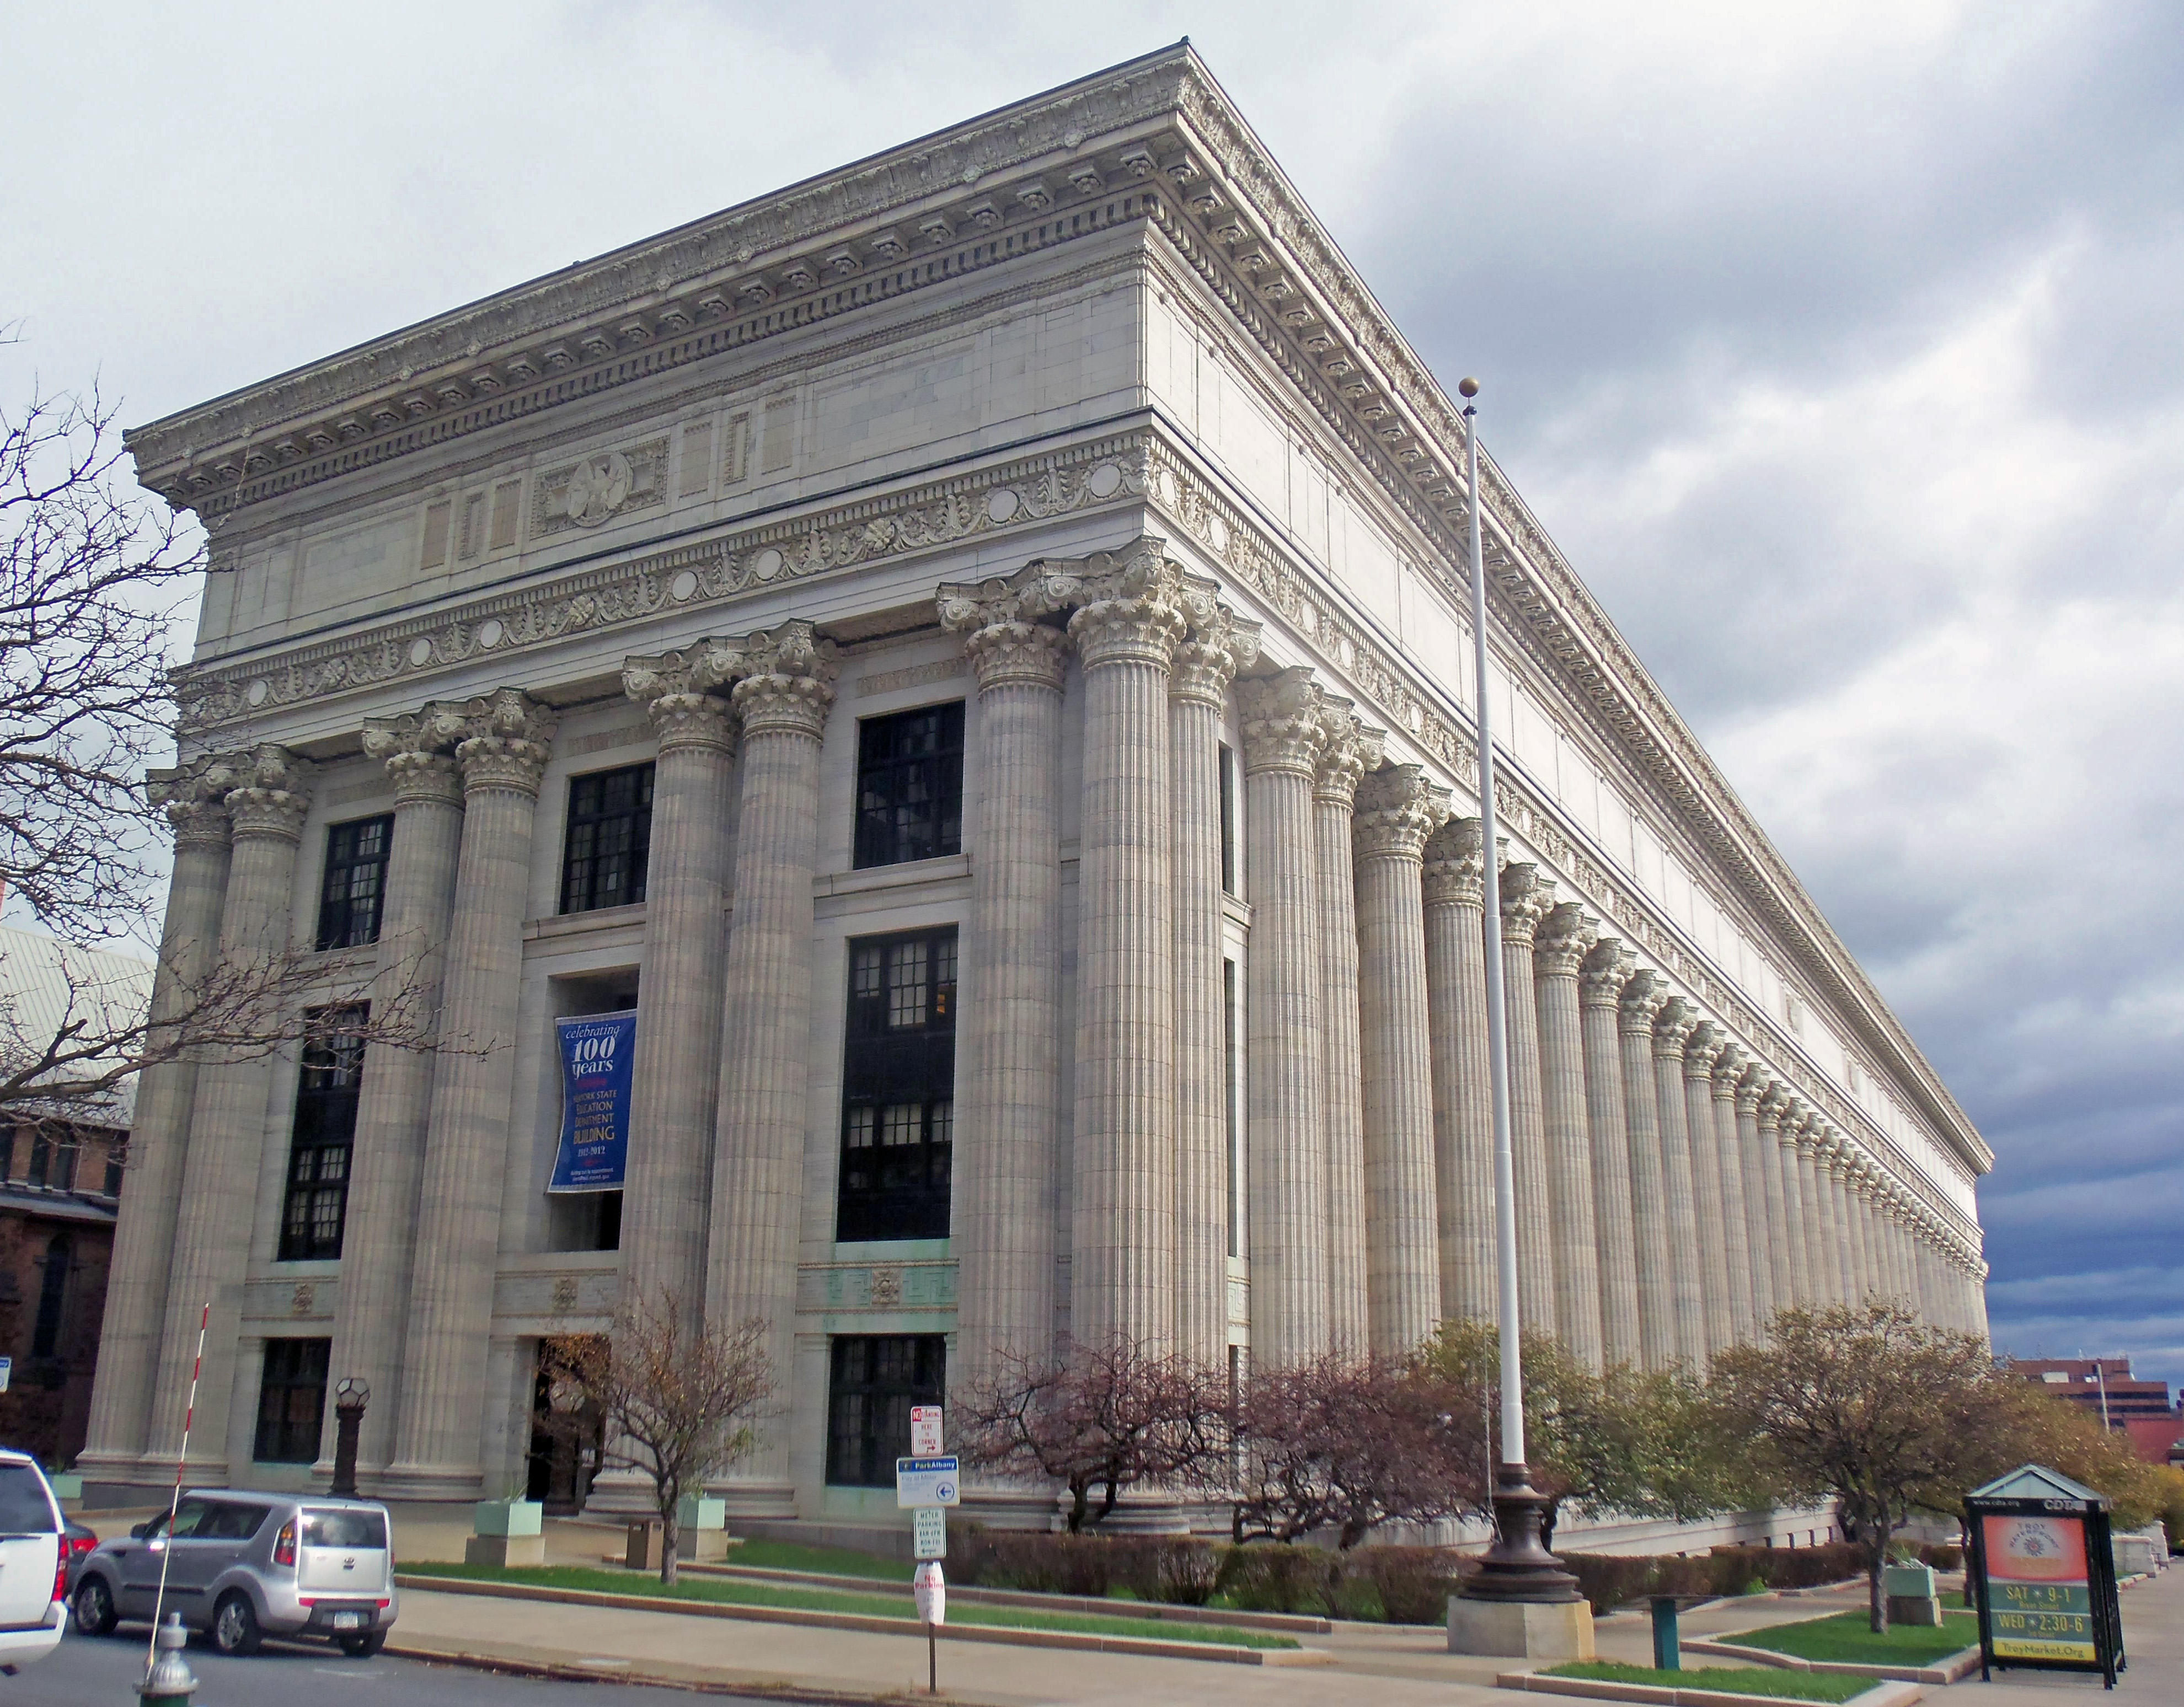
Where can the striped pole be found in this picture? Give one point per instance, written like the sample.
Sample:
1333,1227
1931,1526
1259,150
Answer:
174,1503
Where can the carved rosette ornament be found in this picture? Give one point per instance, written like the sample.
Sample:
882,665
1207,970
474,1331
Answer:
1397,810
1564,937
1527,899
788,680
506,737
1282,726
673,689
1456,864
272,793
1348,749
1639,1007
1603,975
194,798
1005,635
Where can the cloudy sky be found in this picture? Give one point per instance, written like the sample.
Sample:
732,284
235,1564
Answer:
1838,344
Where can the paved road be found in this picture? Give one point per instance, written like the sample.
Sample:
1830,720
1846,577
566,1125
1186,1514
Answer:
102,1672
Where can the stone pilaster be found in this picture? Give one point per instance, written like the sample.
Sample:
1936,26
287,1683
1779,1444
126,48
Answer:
1527,897
1560,945
1128,621
1288,1157
1397,810
1689,1280
394,1102
1758,1113
675,1076
1009,1039
1347,752
502,751
784,686
1220,644
1737,1247
230,1118
1652,1230
1601,980
1455,876
1718,1303
192,798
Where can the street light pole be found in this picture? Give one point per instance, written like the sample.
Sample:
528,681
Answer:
1518,1566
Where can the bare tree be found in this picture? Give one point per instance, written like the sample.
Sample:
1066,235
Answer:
1348,1446
677,1397
1108,1417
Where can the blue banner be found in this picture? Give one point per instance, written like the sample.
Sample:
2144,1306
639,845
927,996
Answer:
596,1051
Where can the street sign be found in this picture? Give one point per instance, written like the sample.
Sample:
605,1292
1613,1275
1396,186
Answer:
929,1589
930,1531
6,1368
925,1431
925,1481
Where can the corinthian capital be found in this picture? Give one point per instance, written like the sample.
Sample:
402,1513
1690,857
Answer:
505,738
1564,937
1700,1048
1728,1065
784,677
272,792
1527,897
1639,1003
1396,809
1126,606
1007,626
1281,728
1751,1085
673,689
194,797
1348,749
1672,1022
1601,976
413,748
1221,644
1456,864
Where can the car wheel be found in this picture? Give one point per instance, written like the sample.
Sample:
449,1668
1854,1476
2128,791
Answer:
362,1644
94,1607
235,1625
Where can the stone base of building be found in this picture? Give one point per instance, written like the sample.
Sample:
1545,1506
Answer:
451,1482
1520,1630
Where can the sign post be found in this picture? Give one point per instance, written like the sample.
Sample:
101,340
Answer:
2043,1567
925,1484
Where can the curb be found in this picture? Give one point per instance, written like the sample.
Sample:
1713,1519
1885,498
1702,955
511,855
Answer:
1143,1646
1961,1664
570,1672
1890,1692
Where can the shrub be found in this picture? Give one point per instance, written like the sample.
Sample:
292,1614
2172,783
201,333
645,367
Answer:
1171,1568
1275,1577
1410,1584
1944,1556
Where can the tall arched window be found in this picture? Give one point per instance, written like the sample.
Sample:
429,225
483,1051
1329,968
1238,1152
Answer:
52,1297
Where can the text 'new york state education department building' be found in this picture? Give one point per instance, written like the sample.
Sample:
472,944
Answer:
972,650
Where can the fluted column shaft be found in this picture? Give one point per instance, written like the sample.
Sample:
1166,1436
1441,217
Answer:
1348,751
1659,1257
1600,986
784,690
1718,1303
1463,1112
1009,1064
1559,946
1782,1230
159,1141
1397,810
229,1121
1288,1172
1688,1281
394,1101
1526,899
1861,1239
439,1422
1737,1247
1838,1240
1812,1288
675,1078
1762,1198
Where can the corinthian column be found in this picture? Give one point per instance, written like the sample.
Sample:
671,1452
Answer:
1559,946
1009,1070
229,1119
1288,1170
439,1425
193,799
1687,1264
1123,1250
1600,988
784,686
1860,1185
1801,1183
1454,878
675,1076
1659,1257
1758,1116
1737,1248
1348,751
1718,1302
378,1244
1527,899
1835,1249
1397,809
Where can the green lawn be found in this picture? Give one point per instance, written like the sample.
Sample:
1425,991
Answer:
1844,1637
729,1592
758,1555
1741,1679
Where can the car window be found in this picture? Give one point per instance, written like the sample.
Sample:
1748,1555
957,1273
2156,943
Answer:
25,1510
344,1529
189,1516
230,1522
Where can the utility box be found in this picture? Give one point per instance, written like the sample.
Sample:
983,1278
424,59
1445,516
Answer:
701,1530
1912,1598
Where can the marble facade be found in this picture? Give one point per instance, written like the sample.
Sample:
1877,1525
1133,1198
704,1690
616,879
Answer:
1074,415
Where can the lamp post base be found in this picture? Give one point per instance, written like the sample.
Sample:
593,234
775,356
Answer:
1518,1567
1542,1630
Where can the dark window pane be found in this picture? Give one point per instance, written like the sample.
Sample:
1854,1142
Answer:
910,786
875,1379
609,844
319,1154
356,884
291,1401
899,1087
52,1297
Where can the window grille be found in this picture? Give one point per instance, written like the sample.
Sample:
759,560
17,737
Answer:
325,1134
355,885
609,844
291,1401
910,786
875,1379
899,1087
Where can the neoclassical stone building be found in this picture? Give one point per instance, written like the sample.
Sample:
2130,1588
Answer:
970,649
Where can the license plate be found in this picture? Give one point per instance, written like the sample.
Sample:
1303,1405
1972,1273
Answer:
348,1620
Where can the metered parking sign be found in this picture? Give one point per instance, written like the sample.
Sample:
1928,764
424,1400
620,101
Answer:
929,1533
925,1481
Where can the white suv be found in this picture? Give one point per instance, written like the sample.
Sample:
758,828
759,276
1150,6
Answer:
33,1564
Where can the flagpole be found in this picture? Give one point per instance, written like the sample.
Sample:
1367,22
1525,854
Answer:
175,1500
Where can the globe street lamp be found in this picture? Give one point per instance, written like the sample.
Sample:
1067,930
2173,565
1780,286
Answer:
352,1393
